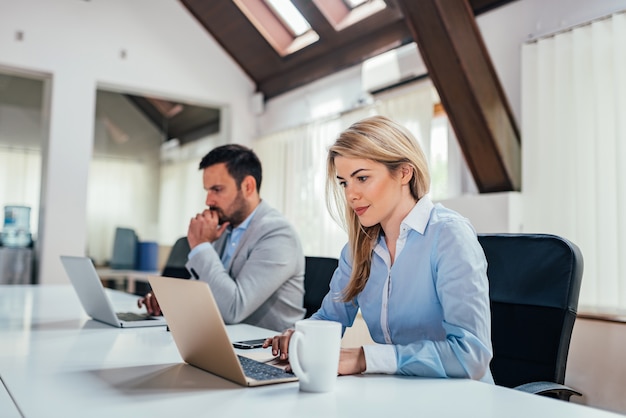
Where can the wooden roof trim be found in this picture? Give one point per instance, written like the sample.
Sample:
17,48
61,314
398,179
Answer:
462,71
351,54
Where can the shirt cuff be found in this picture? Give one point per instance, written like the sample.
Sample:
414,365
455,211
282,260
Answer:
197,249
380,358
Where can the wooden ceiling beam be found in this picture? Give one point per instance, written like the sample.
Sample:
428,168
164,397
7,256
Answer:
461,70
482,6
315,18
343,56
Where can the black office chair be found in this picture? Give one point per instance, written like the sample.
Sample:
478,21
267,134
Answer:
317,274
174,266
534,282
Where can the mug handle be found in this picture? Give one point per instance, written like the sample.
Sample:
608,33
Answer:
294,343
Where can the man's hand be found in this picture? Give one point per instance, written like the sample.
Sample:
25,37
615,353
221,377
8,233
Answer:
151,304
204,227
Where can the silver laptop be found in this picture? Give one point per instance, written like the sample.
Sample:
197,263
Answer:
200,334
94,299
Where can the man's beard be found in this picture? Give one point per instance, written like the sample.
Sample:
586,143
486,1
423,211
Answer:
238,209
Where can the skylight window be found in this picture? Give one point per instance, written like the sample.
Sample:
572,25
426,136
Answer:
288,31
280,23
354,3
290,16
345,13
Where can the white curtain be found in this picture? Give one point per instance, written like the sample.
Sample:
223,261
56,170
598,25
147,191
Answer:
20,181
294,179
182,196
574,149
272,151
121,193
412,109
294,164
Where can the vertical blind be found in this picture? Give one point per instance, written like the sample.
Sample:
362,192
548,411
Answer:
574,149
120,194
20,173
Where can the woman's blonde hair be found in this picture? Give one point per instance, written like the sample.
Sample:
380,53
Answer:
384,141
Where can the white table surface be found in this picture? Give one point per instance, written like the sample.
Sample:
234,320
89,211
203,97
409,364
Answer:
8,409
54,361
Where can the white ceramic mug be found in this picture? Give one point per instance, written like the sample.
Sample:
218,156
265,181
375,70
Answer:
314,354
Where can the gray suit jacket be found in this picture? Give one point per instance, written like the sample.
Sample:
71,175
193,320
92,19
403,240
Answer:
264,284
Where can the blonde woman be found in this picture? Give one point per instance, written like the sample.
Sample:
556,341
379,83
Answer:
415,269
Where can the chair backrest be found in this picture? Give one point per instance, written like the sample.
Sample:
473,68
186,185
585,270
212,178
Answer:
317,274
175,264
124,249
534,283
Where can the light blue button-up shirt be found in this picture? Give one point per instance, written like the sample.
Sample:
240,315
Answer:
429,311
233,240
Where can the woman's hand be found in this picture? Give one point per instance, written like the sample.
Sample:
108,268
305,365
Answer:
279,344
352,361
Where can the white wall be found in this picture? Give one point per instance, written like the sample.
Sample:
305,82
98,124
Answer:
595,365
490,213
78,46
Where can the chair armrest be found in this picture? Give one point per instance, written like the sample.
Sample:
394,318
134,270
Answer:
550,389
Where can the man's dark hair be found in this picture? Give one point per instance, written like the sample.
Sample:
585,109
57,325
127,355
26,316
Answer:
240,162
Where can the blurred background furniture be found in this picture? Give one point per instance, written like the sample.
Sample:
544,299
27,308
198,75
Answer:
133,261
124,255
174,266
534,282
16,265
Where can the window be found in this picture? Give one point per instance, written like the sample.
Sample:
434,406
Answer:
342,14
280,23
353,4
439,157
290,16
287,30
450,175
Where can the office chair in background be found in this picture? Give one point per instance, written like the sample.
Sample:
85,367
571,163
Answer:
124,255
317,274
534,283
174,266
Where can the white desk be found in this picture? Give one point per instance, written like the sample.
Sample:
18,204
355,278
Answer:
8,409
56,362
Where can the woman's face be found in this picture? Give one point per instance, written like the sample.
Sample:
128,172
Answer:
370,190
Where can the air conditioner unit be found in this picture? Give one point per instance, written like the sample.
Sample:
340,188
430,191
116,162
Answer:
392,68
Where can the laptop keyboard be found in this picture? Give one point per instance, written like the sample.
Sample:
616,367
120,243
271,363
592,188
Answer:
132,316
261,371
